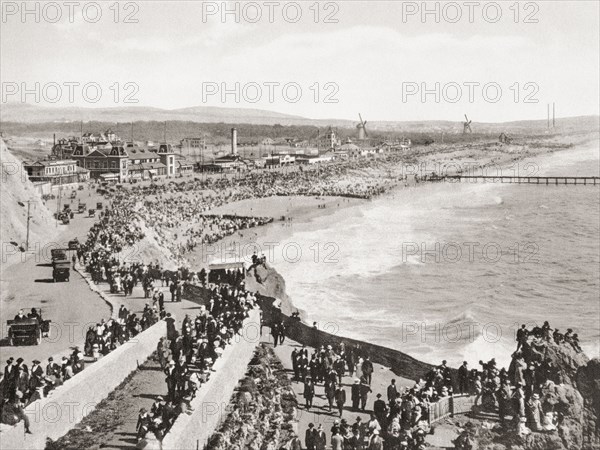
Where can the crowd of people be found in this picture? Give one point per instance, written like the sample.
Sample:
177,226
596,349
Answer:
187,357
400,418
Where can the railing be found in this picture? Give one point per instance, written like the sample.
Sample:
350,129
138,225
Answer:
449,406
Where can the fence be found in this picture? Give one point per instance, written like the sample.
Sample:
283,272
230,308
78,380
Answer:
449,406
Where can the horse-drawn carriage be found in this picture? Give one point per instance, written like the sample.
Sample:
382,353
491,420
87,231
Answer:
28,331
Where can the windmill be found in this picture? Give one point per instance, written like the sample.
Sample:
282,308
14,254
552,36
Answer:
467,126
362,129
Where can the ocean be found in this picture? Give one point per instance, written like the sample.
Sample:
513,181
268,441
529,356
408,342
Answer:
451,270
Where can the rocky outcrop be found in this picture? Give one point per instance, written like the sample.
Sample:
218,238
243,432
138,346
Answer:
576,399
588,384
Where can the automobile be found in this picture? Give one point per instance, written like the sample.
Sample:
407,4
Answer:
99,206
28,331
74,244
61,270
80,188
82,207
92,213
73,194
58,254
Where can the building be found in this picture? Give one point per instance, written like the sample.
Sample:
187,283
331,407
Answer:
314,159
144,164
192,143
280,160
108,164
183,166
57,171
167,157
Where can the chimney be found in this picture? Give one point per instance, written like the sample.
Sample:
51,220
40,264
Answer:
233,141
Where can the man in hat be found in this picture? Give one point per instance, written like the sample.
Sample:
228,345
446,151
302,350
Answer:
392,392
367,369
9,376
22,381
463,378
36,371
143,424
365,389
340,398
171,379
355,394
309,392
123,313
380,409
522,334
310,437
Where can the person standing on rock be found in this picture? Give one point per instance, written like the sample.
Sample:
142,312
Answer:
463,378
309,392
534,413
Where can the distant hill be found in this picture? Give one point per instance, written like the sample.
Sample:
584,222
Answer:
34,114
27,113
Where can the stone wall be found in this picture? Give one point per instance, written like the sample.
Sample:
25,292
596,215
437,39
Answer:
400,363
67,405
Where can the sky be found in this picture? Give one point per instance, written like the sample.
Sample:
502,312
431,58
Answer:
397,61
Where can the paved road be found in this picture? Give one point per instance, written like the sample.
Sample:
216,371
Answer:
71,306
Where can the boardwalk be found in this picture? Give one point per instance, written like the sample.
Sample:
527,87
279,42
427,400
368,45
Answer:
549,180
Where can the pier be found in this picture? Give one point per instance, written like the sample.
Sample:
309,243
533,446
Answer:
555,180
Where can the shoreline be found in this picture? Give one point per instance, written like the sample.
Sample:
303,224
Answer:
278,231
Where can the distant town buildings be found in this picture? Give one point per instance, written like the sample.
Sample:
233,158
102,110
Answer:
56,172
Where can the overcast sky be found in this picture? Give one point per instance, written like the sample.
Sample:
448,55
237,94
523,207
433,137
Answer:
369,56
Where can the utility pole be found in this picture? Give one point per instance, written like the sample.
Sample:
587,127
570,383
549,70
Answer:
28,217
548,115
553,116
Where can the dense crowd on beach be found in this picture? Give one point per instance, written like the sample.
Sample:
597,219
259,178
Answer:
400,417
